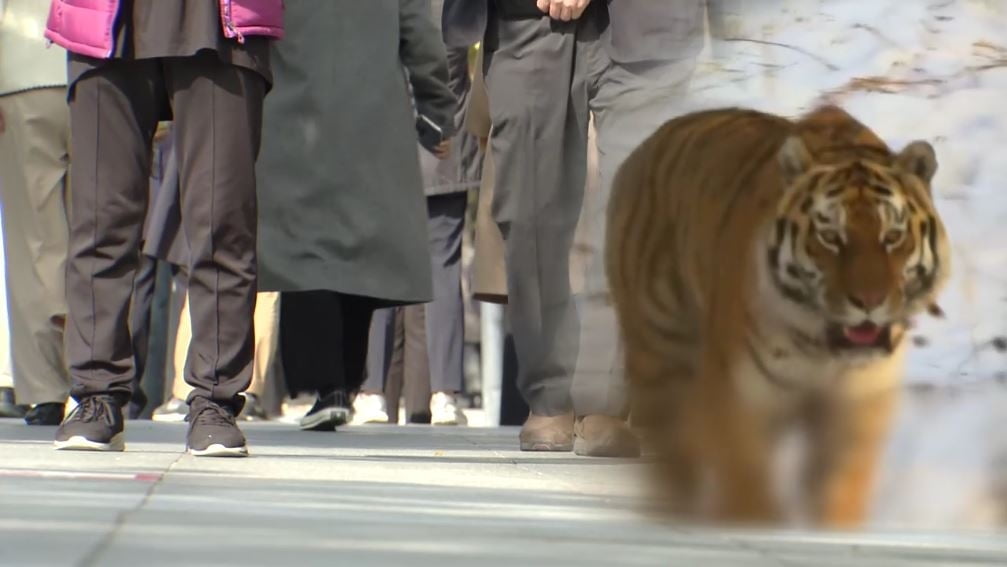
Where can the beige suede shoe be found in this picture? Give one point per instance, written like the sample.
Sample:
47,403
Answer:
552,433
604,436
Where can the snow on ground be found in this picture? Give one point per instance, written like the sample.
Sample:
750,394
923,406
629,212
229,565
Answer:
931,69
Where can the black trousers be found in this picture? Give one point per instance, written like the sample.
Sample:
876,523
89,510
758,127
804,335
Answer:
323,340
114,111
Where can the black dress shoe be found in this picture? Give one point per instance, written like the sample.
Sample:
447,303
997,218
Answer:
8,407
137,403
50,413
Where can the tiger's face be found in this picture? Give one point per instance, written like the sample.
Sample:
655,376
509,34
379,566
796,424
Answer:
858,245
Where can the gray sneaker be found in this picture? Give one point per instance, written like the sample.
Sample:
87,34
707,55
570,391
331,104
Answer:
213,431
94,425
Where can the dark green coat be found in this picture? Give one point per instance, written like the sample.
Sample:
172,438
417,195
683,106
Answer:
341,202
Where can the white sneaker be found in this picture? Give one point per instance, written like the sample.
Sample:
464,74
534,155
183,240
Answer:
443,410
369,408
172,411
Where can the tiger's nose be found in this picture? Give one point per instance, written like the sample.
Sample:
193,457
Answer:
867,300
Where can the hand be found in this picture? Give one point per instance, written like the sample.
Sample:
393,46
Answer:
563,10
443,150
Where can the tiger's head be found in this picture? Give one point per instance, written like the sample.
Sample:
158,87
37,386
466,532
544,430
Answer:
858,245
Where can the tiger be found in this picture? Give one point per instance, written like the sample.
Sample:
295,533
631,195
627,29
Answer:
764,271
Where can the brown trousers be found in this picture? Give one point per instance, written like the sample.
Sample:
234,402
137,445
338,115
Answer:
114,111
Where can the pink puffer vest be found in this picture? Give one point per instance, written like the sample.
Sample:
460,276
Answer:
86,26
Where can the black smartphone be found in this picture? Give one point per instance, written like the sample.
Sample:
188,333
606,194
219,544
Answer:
430,134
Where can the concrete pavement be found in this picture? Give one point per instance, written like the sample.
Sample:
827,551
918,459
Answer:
416,495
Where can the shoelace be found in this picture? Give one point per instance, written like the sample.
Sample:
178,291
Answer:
92,408
212,414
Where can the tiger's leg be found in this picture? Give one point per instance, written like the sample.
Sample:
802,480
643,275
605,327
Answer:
657,392
848,444
737,446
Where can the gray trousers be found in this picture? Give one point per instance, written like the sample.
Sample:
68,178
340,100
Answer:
33,178
113,112
434,332
631,106
542,77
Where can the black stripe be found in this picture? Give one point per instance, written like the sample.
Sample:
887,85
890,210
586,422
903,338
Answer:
805,344
880,189
807,204
772,256
781,226
763,369
932,237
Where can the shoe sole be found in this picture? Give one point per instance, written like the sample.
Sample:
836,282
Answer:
369,422
80,443
218,450
326,420
169,418
540,446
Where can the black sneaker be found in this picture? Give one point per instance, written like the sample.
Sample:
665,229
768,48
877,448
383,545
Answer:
94,425
49,413
213,432
328,413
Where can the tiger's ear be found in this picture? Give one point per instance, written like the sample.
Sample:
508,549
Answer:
794,158
919,159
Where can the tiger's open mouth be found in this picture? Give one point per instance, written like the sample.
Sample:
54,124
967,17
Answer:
864,336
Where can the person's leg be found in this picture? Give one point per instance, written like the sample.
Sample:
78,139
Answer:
369,405
395,377
113,114
180,390
323,336
416,365
8,405
139,328
218,119
445,315
538,93
628,109
33,178
265,322
379,350
309,322
357,313
489,271
179,334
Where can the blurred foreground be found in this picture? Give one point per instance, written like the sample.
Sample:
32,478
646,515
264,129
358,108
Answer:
377,495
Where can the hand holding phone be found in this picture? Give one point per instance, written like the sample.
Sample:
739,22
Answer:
431,136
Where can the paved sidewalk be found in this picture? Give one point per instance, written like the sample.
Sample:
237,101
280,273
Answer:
386,495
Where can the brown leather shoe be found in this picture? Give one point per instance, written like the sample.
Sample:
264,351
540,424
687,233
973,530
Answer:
547,433
604,436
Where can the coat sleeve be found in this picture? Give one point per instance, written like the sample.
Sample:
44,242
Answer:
422,53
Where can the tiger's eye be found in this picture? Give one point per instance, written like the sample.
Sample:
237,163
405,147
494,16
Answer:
830,237
893,237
